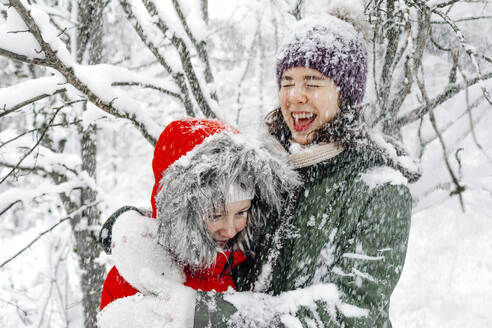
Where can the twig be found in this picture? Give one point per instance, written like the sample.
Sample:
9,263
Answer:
69,217
177,77
8,207
29,101
15,32
185,58
15,305
25,59
469,50
463,19
459,189
448,93
470,117
199,46
445,4
34,147
148,86
38,129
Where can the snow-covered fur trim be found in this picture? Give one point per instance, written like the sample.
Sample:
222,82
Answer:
195,187
175,310
138,256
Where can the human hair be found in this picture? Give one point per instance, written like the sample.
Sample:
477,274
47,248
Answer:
347,129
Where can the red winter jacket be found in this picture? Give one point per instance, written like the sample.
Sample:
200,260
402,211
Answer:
217,278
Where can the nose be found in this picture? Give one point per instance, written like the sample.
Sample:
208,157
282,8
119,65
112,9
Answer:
228,229
297,95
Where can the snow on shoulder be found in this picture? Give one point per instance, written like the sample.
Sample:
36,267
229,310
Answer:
378,176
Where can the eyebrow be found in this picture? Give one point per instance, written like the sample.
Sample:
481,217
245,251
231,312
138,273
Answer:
314,77
306,78
245,208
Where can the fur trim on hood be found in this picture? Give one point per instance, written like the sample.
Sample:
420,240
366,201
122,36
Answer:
195,187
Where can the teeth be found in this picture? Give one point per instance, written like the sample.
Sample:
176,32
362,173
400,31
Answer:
303,115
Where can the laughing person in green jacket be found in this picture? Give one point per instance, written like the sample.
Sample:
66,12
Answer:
335,256
348,226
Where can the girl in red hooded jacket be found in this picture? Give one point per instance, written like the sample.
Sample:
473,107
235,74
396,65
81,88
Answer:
213,190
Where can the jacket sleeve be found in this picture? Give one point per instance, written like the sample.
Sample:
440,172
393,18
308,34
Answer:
115,287
365,272
367,268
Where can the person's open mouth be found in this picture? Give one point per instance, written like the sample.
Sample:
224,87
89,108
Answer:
302,120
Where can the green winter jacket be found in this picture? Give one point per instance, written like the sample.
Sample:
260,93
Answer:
349,227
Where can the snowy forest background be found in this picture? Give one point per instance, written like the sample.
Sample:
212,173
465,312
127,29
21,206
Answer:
86,87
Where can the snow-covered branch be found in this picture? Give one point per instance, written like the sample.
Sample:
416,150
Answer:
198,44
204,101
69,217
23,58
420,82
140,24
470,50
25,93
43,133
57,57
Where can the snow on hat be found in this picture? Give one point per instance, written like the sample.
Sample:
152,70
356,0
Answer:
331,45
201,165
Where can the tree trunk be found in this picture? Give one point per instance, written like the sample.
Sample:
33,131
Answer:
89,50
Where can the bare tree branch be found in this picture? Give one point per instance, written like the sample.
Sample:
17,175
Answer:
471,51
392,37
459,188
25,59
148,86
252,49
470,117
10,206
6,111
185,57
199,46
204,8
406,81
43,133
448,93
467,19
69,217
177,77
449,125
446,4
15,305
37,130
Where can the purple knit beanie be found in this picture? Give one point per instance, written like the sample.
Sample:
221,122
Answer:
331,46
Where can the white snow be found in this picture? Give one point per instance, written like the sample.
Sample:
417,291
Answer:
29,89
22,43
356,256
21,194
384,174
261,308
142,311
